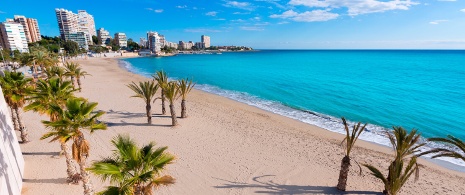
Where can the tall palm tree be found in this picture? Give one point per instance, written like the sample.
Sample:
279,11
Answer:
146,91
405,146
172,93
350,139
16,88
55,71
49,93
77,116
448,152
133,170
162,79
185,86
79,74
7,92
71,71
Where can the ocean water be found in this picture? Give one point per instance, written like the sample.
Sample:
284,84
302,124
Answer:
423,89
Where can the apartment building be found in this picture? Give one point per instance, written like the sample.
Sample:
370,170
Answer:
103,36
12,36
67,22
86,24
206,41
121,39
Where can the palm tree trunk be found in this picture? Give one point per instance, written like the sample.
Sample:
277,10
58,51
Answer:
148,109
79,83
14,119
72,81
342,182
163,110
174,121
73,176
86,183
183,109
22,128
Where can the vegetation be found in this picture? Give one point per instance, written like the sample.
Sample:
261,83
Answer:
133,170
71,71
146,91
168,49
80,73
349,140
162,79
71,48
184,86
77,115
405,146
95,40
15,90
171,93
457,145
132,46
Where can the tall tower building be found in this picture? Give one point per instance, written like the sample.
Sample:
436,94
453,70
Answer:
154,41
103,36
23,21
86,24
121,39
67,22
205,41
12,36
34,30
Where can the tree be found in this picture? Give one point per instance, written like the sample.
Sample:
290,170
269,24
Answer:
146,91
172,93
133,170
162,79
49,93
15,89
71,72
185,86
55,71
448,152
405,146
349,140
80,73
95,40
71,48
77,116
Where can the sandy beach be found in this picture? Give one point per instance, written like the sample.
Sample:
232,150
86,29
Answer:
223,147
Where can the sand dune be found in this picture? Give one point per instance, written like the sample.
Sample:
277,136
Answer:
224,147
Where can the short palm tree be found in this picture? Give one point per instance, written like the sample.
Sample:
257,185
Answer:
172,93
15,89
162,79
185,86
448,152
71,71
77,115
405,146
80,73
350,139
133,170
146,91
55,71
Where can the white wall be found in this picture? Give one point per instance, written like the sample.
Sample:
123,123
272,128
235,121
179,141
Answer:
11,158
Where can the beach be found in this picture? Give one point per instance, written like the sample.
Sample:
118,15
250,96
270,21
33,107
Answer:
223,147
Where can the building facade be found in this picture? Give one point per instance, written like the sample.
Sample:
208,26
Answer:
67,22
34,30
206,41
143,42
86,24
154,42
80,38
121,39
13,37
103,36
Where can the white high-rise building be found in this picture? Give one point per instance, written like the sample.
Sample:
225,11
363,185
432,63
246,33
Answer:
13,37
143,42
86,24
154,42
121,39
67,22
206,41
103,36
31,28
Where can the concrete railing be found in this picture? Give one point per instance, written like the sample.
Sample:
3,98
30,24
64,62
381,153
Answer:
11,158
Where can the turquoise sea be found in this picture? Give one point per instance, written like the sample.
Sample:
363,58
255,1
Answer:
422,89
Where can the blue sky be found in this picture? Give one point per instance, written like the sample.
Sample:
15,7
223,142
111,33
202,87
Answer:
273,24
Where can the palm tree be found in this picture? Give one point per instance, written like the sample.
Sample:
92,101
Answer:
16,88
405,146
79,74
71,71
172,93
185,86
448,152
49,93
133,170
145,90
55,71
350,139
162,79
78,115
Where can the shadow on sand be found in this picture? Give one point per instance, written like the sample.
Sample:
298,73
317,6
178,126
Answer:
270,187
56,181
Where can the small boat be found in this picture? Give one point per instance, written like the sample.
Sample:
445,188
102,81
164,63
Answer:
218,53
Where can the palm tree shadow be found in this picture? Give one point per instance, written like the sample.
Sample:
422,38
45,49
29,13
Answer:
111,124
122,114
56,181
270,187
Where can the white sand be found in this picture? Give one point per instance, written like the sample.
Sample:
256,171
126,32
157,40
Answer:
224,147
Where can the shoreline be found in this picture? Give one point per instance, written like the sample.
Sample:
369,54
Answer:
380,137
223,147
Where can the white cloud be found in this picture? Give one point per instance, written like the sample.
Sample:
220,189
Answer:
448,0
359,6
2,12
437,21
238,20
158,10
239,5
201,30
220,19
211,13
285,22
150,9
462,10
181,6
308,16
241,13
256,18
252,28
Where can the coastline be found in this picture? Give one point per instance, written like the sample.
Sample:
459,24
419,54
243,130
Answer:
224,147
